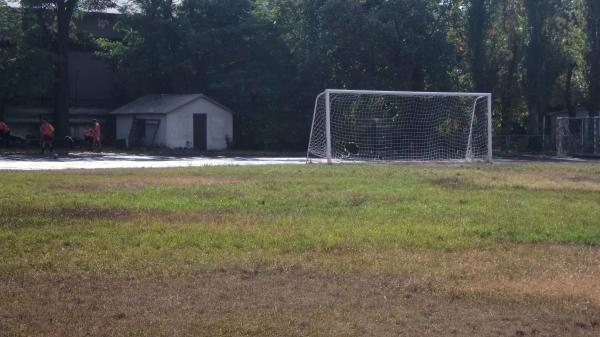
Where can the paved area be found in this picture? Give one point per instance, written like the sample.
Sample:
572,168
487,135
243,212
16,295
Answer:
88,160
108,160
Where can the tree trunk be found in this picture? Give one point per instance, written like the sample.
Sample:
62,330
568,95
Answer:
63,16
510,91
506,102
477,22
571,108
508,96
536,95
593,33
418,78
534,122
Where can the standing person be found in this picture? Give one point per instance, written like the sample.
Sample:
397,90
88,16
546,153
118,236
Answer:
4,133
88,136
47,132
4,130
97,135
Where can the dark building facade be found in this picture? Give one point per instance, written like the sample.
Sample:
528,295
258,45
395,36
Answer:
93,89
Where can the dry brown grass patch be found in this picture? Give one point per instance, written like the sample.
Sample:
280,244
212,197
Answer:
136,183
451,182
91,213
530,179
576,285
270,303
543,180
207,218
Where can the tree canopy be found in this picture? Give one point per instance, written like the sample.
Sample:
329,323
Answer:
268,59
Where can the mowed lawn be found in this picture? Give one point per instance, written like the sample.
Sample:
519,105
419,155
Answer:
347,250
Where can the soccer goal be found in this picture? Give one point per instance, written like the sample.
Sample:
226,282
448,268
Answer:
401,126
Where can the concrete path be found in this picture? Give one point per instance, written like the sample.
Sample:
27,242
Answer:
88,160
107,160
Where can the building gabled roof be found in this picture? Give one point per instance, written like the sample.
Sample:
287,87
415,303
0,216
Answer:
162,104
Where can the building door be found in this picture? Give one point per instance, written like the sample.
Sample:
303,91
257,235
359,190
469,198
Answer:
143,132
200,132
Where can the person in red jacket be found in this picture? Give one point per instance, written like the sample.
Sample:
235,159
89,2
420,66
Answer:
97,135
47,133
88,135
4,130
4,133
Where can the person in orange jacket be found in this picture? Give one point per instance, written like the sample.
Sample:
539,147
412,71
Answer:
47,133
97,135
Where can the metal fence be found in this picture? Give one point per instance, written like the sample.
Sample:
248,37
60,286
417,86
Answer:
578,136
564,137
523,144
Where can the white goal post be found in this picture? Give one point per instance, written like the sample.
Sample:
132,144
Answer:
366,125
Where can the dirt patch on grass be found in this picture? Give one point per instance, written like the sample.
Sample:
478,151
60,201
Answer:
542,180
91,213
36,217
275,302
557,271
132,185
136,183
207,218
451,182
194,180
538,180
552,285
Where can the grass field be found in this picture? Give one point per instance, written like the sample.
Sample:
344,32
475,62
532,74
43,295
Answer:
302,251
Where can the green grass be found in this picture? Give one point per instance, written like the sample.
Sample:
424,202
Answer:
181,220
352,250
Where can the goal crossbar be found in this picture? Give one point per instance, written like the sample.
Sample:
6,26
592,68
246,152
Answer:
405,93
322,124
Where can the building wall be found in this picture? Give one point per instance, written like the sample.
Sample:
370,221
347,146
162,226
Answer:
123,127
180,126
92,82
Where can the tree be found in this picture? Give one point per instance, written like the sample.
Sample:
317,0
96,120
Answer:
268,59
540,71
55,18
569,35
10,35
416,36
147,57
593,55
507,52
230,50
24,70
479,17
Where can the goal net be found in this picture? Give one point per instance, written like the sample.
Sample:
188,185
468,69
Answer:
401,126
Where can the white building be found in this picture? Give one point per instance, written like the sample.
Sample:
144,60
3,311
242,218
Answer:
175,121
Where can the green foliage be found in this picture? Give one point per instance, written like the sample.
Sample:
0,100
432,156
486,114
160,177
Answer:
555,49
10,34
24,66
593,54
268,59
